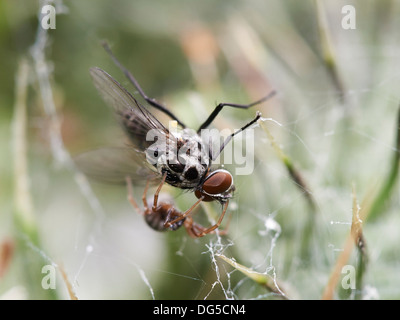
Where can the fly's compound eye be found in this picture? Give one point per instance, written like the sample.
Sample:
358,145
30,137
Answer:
218,184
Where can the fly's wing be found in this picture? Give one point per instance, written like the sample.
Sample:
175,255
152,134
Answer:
134,118
115,164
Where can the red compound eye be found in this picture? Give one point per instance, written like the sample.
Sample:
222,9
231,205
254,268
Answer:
216,183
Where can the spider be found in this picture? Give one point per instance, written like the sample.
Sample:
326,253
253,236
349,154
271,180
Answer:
160,213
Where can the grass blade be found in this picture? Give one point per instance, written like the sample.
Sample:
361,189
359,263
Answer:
262,279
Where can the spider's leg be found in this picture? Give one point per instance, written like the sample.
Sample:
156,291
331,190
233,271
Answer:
203,231
131,199
183,216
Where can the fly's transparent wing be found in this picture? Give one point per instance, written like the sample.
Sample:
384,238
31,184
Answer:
114,164
133,117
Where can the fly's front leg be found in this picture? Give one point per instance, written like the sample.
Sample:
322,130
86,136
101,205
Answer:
219,107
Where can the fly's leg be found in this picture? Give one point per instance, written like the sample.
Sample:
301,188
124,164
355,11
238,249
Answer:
132,79
219,107
229,138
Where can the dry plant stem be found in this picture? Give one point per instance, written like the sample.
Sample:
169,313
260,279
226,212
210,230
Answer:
70,288
360,243
59,151
328,54
330,288
26,229
360,213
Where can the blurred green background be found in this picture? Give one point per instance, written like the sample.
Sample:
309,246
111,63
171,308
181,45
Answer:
334,118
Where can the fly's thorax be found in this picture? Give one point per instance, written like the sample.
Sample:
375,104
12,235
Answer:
185,162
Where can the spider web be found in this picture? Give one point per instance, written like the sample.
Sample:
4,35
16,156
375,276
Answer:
109,252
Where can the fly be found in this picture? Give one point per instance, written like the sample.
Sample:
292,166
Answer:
157,154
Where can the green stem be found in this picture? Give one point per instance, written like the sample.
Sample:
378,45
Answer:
297,178
328,55
386,190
